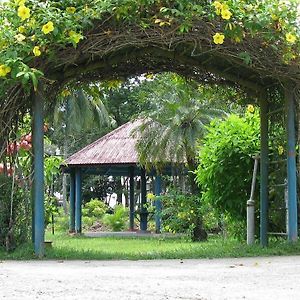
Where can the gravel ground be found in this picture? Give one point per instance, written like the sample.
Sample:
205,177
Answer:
243,278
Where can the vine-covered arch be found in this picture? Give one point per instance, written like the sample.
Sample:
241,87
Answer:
252,44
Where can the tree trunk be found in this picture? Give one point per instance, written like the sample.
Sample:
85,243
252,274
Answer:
199,233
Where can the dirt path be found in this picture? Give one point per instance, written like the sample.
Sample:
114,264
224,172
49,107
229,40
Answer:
245,278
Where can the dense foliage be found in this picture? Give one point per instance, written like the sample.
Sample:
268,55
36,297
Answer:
178,117
93,212
185,213
118,220
226,162
14,209
63,41
32,29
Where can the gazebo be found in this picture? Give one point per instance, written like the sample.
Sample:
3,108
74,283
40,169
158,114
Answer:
114,154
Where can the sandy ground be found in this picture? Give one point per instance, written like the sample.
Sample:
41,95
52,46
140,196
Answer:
243,278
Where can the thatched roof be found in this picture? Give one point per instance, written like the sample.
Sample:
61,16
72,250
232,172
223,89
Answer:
115,148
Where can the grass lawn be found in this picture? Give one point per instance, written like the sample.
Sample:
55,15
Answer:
80,247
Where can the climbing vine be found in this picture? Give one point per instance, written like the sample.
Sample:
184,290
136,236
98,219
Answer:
31,30
50,39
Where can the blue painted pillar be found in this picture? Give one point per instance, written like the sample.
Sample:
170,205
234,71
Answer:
144,213
72,201
131,198
291,164
38,169
157,204
78,201
264,172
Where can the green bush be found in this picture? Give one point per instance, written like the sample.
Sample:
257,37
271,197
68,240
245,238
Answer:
61,221
14,214
92,212
116,221
226,163
51,209
88,221
94,208
182,213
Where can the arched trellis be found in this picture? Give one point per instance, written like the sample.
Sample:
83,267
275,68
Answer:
112,51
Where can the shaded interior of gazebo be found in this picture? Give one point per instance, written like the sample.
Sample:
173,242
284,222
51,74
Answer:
115,154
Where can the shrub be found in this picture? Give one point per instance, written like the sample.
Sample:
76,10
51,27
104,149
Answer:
116,221
14,214
94,208
61,221
225,169
182,213
51,209
93,211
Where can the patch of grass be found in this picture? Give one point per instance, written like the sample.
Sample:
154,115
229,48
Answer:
85,248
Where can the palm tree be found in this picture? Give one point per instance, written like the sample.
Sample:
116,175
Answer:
177,121
80,110
77,112
171,130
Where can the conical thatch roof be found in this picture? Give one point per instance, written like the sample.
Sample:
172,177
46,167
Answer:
116,147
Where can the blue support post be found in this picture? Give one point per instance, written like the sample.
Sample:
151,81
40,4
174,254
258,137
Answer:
72,202
264,172
131,198
157,204
144,213
291,165
78,201
38,170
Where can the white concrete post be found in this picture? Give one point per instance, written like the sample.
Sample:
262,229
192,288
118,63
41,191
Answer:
251,207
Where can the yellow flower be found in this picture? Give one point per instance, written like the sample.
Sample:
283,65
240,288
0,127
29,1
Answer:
71,9
280,150
36,51
250,108
33,38
20,37
65,93
217,5
226,14
24,12
291,38
219,38
150,196
4,70
75,37
21,29
48,27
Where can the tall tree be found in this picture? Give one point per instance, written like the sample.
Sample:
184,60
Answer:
176,122
76,113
